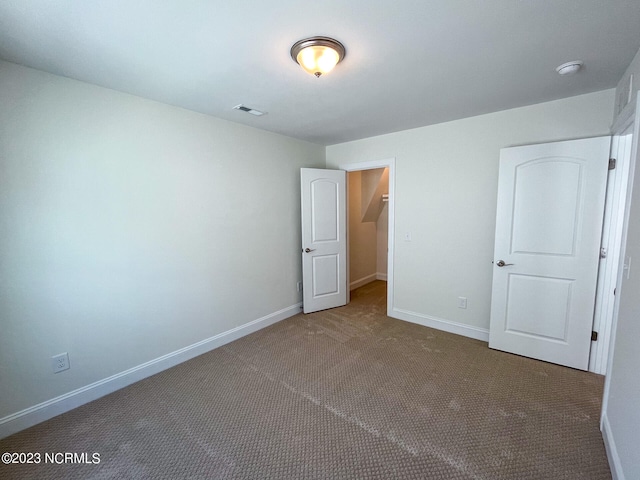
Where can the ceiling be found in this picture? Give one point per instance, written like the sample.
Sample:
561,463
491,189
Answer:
409,63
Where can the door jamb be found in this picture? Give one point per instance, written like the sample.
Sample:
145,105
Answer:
605,319
611,242
630,121
389,163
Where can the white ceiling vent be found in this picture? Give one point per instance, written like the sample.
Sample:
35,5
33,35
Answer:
252,111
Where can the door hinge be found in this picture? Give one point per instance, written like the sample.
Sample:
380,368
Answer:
612,164
594,336
603,252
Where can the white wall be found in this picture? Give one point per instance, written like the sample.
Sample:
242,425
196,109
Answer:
378,179
130,229
362,236
627,89
621,415
367,238
446,187
382,233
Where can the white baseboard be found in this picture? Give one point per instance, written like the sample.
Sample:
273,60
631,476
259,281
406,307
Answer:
44,411
362,281
612,451
441,324
368,279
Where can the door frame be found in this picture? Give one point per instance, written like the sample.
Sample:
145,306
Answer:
615,229
389,163
611,241
627,121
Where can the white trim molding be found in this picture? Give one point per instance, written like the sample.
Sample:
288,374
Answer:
368,279
610,447
363,281
441,324
46,410
615,205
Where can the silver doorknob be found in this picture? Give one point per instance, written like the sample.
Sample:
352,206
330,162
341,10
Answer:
501,263
309,250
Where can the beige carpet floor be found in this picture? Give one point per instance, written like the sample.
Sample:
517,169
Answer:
345,393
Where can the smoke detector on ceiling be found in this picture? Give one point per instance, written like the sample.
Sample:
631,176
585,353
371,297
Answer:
569,67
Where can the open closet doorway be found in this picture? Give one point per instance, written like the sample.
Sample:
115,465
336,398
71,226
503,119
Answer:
370,195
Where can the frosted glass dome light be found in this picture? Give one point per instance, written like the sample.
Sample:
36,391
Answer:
318,55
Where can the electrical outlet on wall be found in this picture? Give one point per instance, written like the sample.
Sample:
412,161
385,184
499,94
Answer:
60,362
462,302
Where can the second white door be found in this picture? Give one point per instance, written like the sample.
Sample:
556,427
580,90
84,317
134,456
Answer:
324,239
548,229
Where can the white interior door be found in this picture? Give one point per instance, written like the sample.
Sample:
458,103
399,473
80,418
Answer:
324,239
547,249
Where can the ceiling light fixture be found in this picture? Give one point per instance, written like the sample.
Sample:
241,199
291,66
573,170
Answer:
569,67
318,55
